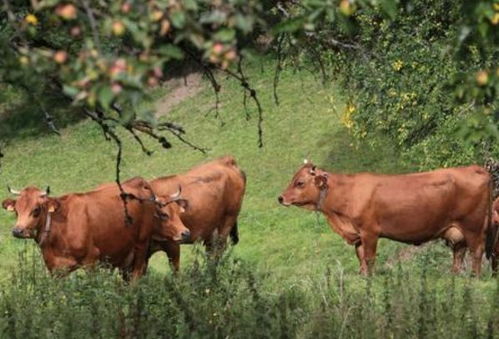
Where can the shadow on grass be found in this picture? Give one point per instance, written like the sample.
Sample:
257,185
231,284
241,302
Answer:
351,156
21,117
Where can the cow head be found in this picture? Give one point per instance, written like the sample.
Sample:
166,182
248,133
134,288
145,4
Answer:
305,187
137,188
171,226
31,208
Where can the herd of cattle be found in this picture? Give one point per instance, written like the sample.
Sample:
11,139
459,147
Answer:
123,226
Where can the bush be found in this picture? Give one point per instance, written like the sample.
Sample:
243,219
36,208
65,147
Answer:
401,83
227,299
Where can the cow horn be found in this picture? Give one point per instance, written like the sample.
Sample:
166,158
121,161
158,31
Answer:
176,195
46,192
11,191
305,161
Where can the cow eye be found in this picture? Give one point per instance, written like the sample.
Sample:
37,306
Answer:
36,211
300,184
163,216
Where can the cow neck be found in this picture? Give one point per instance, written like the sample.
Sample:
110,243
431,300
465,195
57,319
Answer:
43,235
323,191
335,201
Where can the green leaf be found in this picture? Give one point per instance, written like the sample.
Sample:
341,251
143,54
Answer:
190,4
214,17
244,22
70,90
389,8
171,51
225,35
289,26
178,19
105,96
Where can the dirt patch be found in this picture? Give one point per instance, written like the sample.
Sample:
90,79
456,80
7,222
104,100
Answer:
179,89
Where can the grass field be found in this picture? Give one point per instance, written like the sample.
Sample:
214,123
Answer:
292,253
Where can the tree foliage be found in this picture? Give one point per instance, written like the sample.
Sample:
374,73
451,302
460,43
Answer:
101,57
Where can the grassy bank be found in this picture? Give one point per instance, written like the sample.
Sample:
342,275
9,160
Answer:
290,275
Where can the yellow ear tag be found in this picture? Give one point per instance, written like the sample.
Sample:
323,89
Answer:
51,209
10,208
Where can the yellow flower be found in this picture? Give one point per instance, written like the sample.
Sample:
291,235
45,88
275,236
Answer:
24,60
31,19
496,6
397,65
346,118
495,19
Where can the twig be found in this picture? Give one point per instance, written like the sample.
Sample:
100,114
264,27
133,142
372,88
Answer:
252,93
245,94
123,195
92,23
278,67
109,134
207,71
1,156
139,141
117,108
178,135
49,120
281,8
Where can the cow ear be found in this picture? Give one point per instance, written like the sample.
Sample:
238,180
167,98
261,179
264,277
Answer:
9,204
183,204
320,181
312,170
53,205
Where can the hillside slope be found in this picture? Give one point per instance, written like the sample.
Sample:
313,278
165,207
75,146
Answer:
293,244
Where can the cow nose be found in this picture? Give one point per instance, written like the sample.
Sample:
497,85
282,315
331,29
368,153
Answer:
280,199
186,235
17,232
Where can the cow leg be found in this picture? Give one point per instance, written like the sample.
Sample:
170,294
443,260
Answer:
215,245
475,243
126,274
369,242
172,250
219,237
229,224
359,250
140,261
458,251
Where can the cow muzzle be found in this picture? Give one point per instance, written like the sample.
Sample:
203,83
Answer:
20,232
281,201
186,236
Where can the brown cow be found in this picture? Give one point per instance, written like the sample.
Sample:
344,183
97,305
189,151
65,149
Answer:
82,228
495,241
214,192
410,208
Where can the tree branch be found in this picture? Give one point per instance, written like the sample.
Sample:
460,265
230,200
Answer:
252,92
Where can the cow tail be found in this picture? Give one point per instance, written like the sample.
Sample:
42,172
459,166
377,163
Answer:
491,234
492,230
234,234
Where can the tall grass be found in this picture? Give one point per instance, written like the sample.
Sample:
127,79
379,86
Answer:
229,299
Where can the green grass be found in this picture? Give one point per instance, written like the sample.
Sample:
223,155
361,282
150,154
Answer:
304,125
287,248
